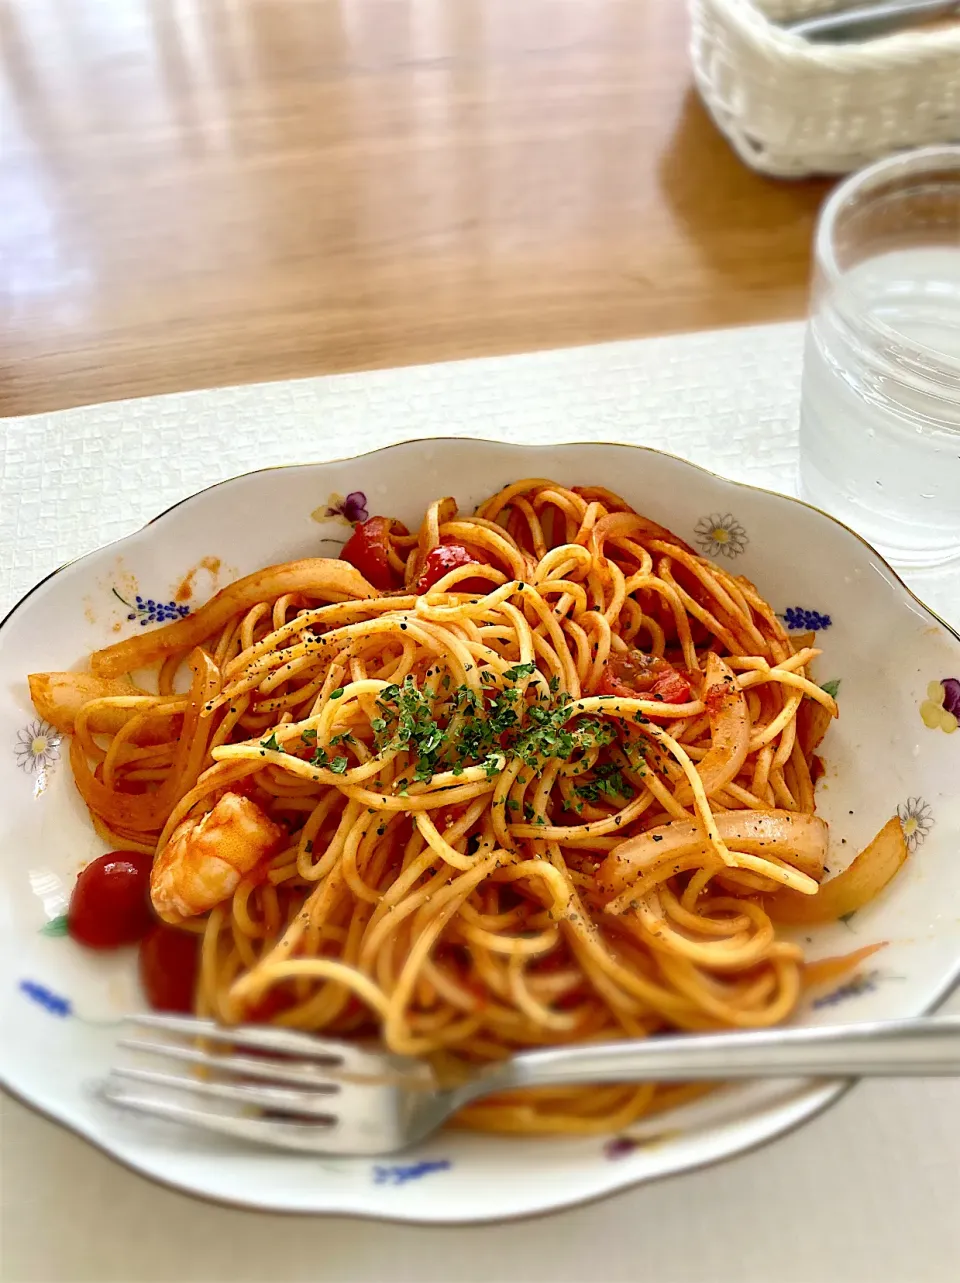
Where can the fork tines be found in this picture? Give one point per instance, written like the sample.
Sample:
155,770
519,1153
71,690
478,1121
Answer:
282,1094
290,1042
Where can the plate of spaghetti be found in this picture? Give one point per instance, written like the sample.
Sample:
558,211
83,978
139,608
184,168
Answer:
461,749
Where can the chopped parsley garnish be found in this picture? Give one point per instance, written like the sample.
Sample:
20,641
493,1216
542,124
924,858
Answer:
338,765
520,670
309,736
453,729
272,743
607,780
831,687
337,693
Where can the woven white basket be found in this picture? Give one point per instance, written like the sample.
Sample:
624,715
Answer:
791,107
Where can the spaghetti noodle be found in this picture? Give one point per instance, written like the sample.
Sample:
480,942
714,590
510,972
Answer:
537,775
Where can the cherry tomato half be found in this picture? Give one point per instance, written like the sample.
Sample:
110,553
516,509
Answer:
110,905
444,558
368,549
672,686
169,962
634,673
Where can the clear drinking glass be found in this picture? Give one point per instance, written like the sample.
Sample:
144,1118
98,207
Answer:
880,412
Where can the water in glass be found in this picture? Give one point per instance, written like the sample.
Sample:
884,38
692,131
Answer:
880,430
880,413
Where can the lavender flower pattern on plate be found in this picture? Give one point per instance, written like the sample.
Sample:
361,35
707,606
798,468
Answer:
149,611
720,535
799,620
941,709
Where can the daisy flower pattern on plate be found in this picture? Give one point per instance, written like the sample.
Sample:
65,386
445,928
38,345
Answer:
38,746
37,751
348,510
916,820
941,708
720,535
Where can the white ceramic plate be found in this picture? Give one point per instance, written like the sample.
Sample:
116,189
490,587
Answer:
892,750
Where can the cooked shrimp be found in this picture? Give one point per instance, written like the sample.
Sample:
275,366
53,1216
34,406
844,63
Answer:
205,859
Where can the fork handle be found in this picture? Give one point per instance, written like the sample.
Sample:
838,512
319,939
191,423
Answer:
870,20
882,1049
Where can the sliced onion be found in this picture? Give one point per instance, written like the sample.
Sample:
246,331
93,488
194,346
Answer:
320,578
141,814
799,840
729,730
59,697
813,721
850,890
825,970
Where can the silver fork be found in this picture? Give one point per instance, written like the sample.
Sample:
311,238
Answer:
306,1093
866,21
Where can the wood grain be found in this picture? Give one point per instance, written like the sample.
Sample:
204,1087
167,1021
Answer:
202,192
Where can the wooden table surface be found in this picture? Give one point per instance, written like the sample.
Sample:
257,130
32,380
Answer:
203,192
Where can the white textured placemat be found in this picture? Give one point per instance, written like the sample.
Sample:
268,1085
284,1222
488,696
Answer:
869,1192
71,480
